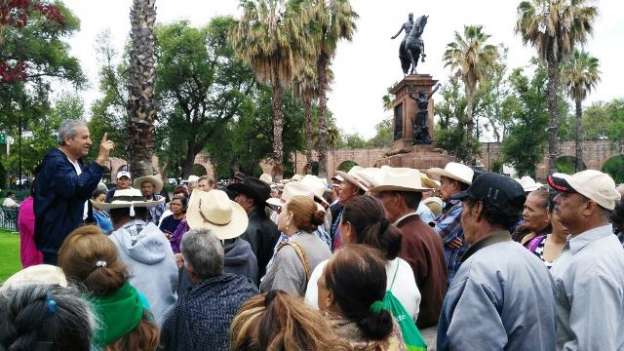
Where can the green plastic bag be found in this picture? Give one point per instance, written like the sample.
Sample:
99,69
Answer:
411,335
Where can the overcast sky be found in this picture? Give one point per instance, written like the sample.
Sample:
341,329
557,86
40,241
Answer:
367,66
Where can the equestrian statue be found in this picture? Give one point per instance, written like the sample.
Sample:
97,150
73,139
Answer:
412,46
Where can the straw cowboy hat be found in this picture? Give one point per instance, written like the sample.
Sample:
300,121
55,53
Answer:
399,179
291,190
41,274
428,182
371,175
316,185
528,184
126,198
265,177
158,183
215,211
435,204
454,170
354,177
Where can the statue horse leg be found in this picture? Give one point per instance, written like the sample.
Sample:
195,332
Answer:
414,56
404,57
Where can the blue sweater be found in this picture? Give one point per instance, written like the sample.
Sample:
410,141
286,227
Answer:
59,199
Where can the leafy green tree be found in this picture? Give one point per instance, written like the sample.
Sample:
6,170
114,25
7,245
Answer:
384,135
470,56
526,108
580,75
554,28
200,84
605,121
271,37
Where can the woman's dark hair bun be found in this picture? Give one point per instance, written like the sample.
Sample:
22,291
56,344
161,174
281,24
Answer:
376,326
318,218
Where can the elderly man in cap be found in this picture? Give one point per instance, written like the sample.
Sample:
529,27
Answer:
400,191
150,186
124,180
454,178
501,297
589,274
262,234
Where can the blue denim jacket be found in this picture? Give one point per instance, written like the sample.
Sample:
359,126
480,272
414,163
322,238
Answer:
448,225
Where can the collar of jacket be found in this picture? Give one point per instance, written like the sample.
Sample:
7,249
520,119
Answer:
494,238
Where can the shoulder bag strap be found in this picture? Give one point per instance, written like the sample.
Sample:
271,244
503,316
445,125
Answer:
302,257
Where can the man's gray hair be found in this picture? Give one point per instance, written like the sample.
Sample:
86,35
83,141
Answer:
68,129
203,251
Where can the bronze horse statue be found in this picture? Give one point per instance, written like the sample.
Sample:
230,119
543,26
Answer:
412,47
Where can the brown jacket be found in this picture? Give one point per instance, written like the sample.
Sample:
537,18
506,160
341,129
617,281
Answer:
421,247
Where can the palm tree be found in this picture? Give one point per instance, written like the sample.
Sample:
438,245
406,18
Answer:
141,78
306,89
580,75
271,38
472,57
331,21
554,27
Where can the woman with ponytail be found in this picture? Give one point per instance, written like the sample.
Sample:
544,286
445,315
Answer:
351,293
90,260
363,222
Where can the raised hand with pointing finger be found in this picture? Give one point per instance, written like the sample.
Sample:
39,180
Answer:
106,146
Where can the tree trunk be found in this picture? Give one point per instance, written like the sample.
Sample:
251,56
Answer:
321,146
189,160
553,111
141,108
470,158
307,104
579,136
278,125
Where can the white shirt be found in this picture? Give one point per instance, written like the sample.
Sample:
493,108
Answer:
8,202
404,288
79,172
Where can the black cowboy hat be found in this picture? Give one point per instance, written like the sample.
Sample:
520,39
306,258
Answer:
252,187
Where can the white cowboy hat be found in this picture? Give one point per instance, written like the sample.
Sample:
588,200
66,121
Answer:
528,184
399,179
371,175
291,190
435,204
215,211
354,177
127,198
36,275
316,185
454,170
265,177
158,183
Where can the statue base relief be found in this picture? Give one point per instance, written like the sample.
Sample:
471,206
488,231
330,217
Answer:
413,125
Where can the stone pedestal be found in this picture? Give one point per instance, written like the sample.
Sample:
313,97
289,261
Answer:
405,109
404,152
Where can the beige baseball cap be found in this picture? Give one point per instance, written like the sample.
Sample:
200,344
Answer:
594,185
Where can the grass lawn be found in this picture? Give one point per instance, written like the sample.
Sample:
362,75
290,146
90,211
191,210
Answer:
9,254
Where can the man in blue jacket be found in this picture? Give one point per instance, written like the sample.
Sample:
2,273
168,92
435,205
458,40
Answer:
64,184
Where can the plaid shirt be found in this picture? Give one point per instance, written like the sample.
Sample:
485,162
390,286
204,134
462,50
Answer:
448,226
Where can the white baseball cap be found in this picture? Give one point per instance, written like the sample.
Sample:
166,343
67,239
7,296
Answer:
124,174
594,185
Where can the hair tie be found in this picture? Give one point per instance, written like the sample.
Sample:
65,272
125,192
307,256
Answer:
51,305
377,306
101,264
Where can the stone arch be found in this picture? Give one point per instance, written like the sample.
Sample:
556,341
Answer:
566,164
614,166
346,165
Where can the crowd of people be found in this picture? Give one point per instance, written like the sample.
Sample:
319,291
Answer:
374,259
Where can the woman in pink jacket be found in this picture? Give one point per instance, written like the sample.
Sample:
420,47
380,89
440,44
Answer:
26,227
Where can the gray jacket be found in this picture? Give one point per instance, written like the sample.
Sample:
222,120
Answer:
153,271
500,299
589,292
286,271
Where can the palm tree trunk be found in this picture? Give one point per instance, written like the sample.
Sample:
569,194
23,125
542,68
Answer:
579,136
307,105
553,111
278,124
469,127
321,146
141,108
